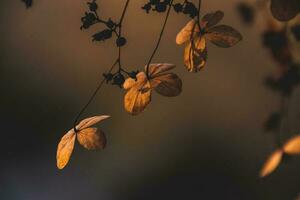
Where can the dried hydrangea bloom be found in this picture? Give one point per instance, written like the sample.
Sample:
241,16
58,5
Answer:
138,94
195,34
290,148
89,137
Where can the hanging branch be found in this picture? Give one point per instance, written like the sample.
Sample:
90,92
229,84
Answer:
93,8
159,38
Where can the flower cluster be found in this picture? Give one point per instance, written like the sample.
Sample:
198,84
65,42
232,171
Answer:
196,33
186,7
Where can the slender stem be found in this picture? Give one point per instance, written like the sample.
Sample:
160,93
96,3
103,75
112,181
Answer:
124,11
118,61
281,127
160,37
92,97
120,31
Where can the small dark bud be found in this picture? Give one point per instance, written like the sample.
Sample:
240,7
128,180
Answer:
121,41
133,74
147,7
178,7
88,20
108,77
103,35
246,12
118,80
28,3
160,7
110,24
154,2
190,9
273,122
93,6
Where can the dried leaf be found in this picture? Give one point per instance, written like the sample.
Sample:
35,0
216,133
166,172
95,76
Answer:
138,96
169,84
157,69
285,10
195,55
185,34
91,138
211,19
223,36
88,122
65,149
272,163
292,146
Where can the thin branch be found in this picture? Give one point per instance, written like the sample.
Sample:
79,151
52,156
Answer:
92,97
160,37
118,61
120,31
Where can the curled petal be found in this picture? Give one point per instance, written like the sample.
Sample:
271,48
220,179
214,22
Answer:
272,163
65,149
185,34
88,122
292,146
211,19
169,85
91,138
195,55
223,36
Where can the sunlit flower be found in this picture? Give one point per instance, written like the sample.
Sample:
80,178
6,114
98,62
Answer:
89,137
139,90
196,33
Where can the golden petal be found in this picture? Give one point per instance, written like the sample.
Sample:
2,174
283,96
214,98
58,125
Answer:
139,96
272,163
91,121
185,34
129,82
292,146
65,149
91,138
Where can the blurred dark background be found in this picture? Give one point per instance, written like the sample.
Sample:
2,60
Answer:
208,143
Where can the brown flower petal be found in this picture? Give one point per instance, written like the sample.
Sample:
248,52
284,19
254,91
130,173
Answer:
211,19
159,68
169,84
91,138
285,10
65,149
185,34
272,163
88,122
195,55
138,96
223,36
292,146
